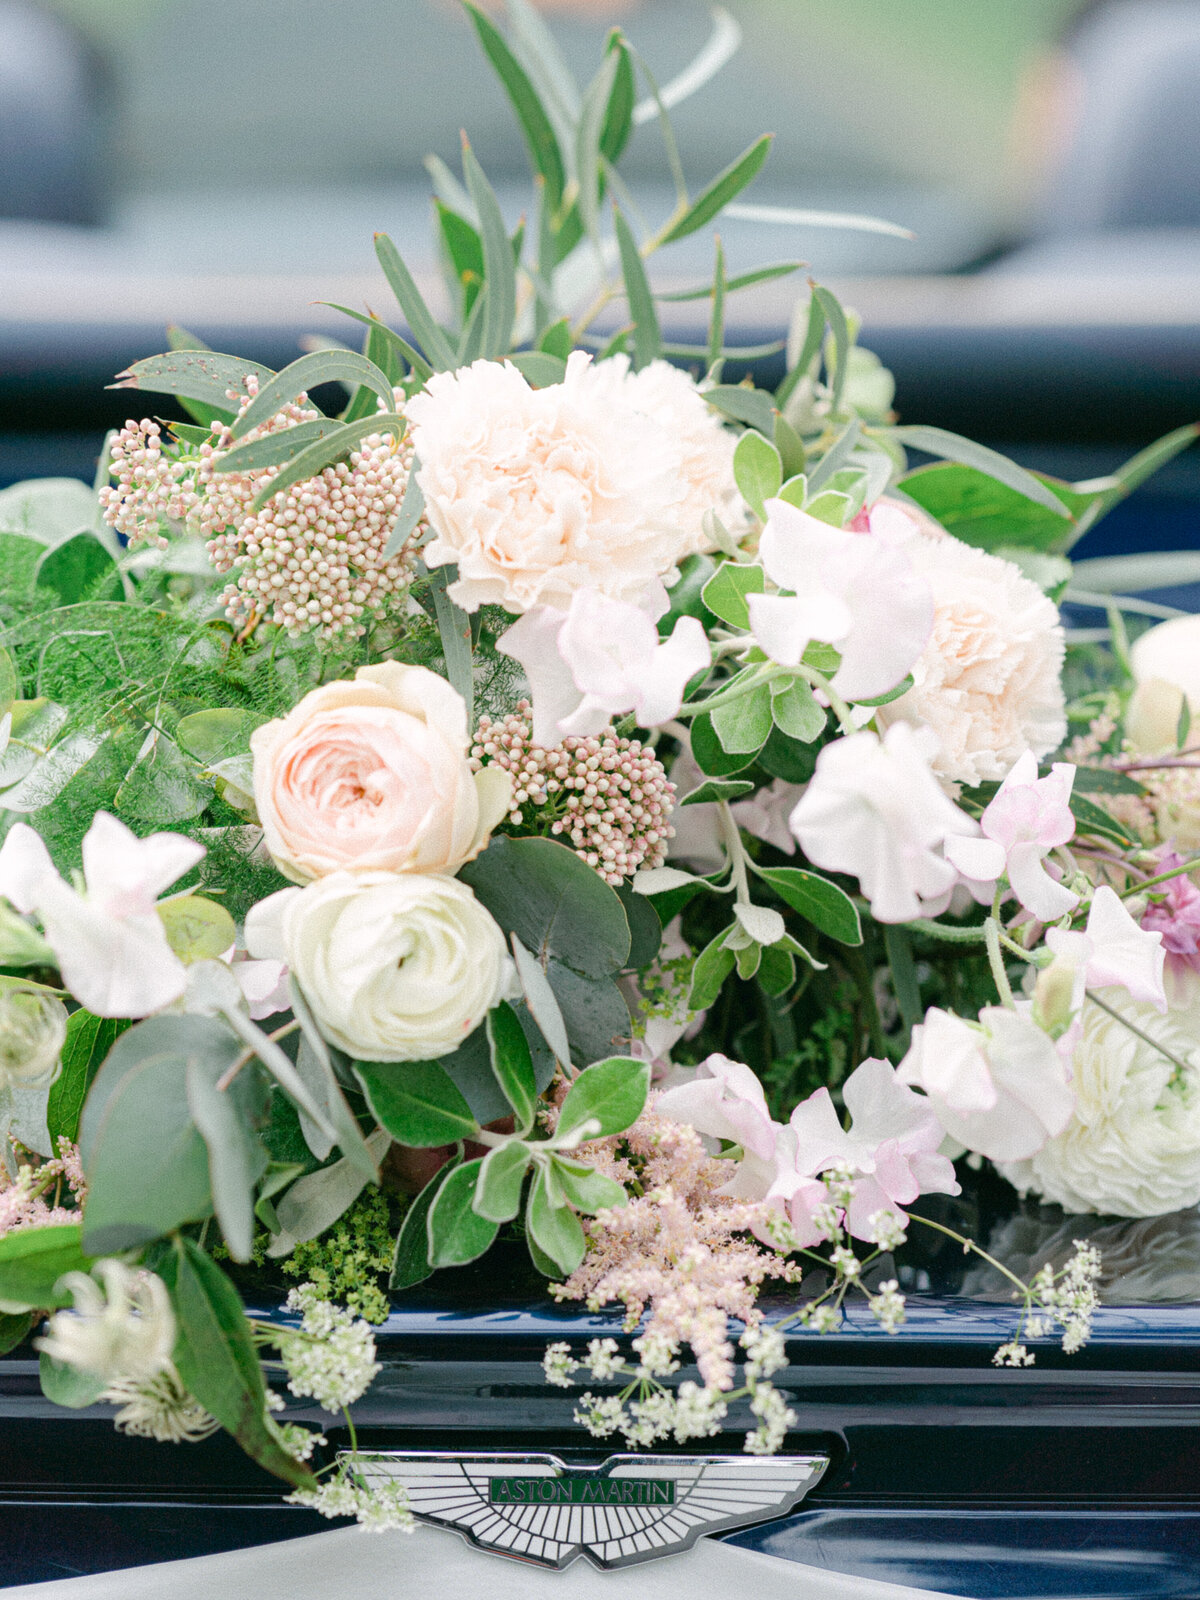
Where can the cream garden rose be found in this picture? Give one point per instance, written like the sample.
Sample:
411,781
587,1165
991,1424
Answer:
371,775
989,681
396,966
534,494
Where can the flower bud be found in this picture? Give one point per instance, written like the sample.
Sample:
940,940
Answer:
33,1030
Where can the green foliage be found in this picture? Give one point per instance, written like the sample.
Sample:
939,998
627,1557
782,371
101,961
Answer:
32,1260
89,1039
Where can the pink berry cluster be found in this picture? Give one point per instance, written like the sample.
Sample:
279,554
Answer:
609,798
311,558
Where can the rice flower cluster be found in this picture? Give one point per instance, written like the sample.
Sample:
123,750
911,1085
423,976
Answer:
312,559
610,797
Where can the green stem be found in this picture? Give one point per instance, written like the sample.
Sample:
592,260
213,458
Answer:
1149,883
991,930
969,1244
818,680
939,930
1146,1038
745,683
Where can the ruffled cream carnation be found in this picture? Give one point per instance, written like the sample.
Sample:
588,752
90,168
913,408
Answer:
989,682
671,398
536,493
1132,1148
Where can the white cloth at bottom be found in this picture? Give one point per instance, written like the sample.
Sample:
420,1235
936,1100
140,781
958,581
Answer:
348,1564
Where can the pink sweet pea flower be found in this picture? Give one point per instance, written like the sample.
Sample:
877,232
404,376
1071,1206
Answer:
1175,914
891,1148
600,659
765,814
999,1087
1028,817
1113,951
856,590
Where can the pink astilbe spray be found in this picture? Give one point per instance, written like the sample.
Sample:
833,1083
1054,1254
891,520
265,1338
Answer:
23,1202
678,1251
612,796
312,558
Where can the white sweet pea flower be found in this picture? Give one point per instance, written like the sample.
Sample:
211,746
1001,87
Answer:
1113,951
1028,817
765,814
874,809
600,659
725,1100
999,1086
856,590
109,941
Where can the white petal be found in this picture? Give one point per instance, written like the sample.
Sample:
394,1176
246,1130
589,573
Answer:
25,867
1034,887
125,874
670,670
264,926
981,860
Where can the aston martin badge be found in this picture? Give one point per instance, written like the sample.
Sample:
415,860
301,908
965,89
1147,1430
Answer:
538,1509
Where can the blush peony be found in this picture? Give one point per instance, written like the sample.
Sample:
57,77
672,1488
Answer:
372,775
396,967
536,493
989,681
1132,1147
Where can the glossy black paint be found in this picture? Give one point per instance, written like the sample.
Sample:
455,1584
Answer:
1077,1477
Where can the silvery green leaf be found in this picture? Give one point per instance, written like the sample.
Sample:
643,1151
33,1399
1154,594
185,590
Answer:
1167,569
454,627
762,924
540,137
722,45
647,338
50,773
421,323
758,472
499,271
316,1201
203,375
952,447
541,1000
322,453
412,508
803,217
712,200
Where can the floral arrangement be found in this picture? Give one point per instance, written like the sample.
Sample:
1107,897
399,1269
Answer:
571,794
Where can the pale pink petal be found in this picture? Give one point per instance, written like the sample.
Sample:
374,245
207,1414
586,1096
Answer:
1034,887
124,874
672,667
980,860
1122,952
533,641
264,926
785,625
892,606
795,547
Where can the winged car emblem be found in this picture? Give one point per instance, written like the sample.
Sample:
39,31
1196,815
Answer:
538,1509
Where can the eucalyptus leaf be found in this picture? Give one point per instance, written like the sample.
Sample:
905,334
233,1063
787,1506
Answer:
593,1010
541,1001
412,508
536,126
500,308
554,903
424,329
236,1157
952,447
314,458
204,375
754,407
647,336
454,628
724,188
316,1200
277,449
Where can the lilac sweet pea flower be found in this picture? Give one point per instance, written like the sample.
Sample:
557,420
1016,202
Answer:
874,809
600,659
856,590
1028,817
999,1087
1112,951
110,942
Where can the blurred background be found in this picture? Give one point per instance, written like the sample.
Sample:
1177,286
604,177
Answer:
223,164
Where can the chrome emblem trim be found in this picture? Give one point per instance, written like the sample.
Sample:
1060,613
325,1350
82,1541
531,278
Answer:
542,1510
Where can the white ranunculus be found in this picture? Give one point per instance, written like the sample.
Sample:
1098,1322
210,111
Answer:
1166,667
396,966
536,493
1132,1147
989,681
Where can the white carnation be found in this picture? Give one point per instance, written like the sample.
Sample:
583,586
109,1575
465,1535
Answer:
1132,1147
989,681
673,400
537,493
